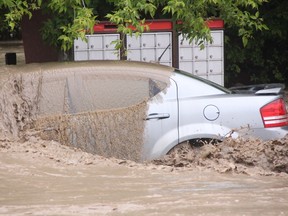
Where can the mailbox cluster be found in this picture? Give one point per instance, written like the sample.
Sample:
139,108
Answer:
159,45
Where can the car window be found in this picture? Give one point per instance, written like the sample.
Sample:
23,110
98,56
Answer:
155,87
81,92
207,82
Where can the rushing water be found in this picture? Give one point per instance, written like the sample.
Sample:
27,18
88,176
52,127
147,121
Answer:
33,183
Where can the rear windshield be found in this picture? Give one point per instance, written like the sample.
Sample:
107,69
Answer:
208,82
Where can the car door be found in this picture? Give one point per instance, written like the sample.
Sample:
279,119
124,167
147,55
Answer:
161,128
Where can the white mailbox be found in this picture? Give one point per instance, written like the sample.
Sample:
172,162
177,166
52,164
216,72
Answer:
150,47
208,62
97,47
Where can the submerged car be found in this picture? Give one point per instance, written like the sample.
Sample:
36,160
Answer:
144,109
194,109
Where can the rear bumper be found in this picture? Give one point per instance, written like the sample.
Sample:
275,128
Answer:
268,133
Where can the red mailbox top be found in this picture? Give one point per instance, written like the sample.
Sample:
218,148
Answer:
154,25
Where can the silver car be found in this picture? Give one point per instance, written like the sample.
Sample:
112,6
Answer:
134,110
194,109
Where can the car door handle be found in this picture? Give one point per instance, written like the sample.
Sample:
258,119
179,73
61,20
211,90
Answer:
158,116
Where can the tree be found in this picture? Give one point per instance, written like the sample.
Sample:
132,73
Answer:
67,21
5,32
265,59
193,14
71,19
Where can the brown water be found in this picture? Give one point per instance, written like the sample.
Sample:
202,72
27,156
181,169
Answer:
45,178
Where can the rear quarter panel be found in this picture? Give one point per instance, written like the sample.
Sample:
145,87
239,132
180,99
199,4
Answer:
239,115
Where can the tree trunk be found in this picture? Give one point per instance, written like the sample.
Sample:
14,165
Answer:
35,49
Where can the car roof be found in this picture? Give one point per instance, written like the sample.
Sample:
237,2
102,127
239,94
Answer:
98,67
107,65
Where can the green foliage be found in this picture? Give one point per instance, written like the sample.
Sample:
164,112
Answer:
244,15
70,21
5,31
70,17
264,59
128,14
193,14
17,9
70,32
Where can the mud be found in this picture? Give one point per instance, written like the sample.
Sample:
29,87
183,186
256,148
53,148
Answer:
79,105
241,156
113,133
40,177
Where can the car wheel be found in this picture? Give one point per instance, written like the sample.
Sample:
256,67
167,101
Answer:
181,149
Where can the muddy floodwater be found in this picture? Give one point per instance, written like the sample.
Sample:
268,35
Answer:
45,178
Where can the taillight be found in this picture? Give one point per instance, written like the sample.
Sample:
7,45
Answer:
274,114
